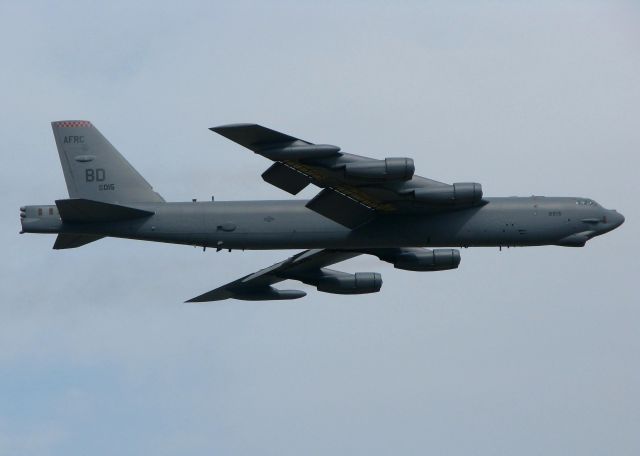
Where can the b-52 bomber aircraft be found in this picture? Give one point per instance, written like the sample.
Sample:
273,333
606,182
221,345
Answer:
366,206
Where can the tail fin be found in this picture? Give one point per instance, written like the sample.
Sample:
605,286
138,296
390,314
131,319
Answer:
94,169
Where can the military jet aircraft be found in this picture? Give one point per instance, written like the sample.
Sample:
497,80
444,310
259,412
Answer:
366,206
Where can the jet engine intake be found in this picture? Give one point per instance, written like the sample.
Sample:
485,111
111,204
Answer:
427,260
358,283
389,169
458,193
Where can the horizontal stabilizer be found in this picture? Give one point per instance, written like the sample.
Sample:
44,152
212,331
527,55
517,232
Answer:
87,211
71,241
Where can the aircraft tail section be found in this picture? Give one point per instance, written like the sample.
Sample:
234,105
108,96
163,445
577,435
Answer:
87,211
68,217
94,169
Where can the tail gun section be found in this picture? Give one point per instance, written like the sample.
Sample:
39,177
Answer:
68,216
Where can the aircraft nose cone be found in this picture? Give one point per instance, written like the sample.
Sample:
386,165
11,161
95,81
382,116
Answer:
616,219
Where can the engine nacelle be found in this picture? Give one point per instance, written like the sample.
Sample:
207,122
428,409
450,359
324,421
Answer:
389,169
428,260
358,283
458,193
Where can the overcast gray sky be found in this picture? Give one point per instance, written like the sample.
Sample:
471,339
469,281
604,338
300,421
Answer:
526,351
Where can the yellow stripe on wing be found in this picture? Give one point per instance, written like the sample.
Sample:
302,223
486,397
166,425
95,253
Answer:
321,180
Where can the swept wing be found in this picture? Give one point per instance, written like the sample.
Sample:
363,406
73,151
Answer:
304,266
310,267
355,188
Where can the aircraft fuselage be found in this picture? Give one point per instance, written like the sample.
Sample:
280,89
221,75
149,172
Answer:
509,221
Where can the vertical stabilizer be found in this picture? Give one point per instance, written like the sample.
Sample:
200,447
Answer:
94,169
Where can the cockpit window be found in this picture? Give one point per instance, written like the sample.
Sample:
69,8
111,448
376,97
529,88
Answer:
586,202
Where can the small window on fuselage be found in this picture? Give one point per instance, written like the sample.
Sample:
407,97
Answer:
39,211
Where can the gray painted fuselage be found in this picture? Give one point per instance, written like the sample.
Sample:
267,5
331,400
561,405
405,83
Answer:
510,221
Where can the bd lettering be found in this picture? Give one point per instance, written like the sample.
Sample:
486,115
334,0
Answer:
94,175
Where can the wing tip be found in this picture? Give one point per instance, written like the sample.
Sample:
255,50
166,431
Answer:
216,295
